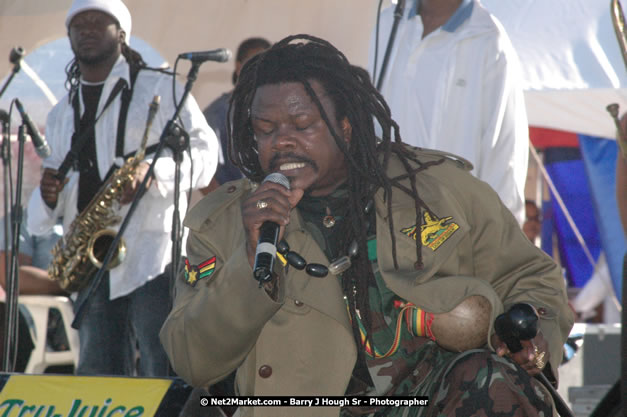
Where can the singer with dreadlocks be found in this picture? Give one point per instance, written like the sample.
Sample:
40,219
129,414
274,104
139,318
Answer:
105,115
392,261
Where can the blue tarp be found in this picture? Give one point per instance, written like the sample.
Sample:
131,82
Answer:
585,178
569,177
599,156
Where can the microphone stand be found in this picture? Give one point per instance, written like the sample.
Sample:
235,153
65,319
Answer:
178,141
5,154
16,69
398,14
171,136
12,280
6,161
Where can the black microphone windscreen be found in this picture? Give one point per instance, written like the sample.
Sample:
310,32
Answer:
17,53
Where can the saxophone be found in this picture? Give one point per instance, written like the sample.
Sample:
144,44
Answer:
79,253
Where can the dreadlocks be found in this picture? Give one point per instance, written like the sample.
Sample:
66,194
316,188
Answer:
355,98
73,72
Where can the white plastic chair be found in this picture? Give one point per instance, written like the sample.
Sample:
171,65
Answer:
41,357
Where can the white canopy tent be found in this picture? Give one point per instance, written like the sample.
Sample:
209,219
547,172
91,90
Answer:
170,27
189,25
571,62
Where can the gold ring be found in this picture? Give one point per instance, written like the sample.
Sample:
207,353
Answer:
261,204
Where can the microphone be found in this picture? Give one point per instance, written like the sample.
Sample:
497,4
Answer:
519,323
41,147
268,239
16,55
218,55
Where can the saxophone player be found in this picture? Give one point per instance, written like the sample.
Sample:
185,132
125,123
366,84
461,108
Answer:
110,89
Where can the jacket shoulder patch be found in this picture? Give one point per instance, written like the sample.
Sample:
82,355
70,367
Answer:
434,231
194,273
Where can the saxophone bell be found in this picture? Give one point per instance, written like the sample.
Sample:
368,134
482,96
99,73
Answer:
98,246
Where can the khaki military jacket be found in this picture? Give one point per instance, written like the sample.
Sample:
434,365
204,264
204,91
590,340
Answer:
302,343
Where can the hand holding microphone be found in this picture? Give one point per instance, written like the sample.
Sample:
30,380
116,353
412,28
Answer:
518,336
265,213
517,328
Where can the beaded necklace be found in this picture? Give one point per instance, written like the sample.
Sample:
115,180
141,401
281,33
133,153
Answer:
338,266
417,321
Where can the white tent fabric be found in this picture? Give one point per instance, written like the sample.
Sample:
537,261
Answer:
571,62
173,27
570,58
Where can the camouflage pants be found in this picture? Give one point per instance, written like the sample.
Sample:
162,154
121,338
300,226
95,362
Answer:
473,383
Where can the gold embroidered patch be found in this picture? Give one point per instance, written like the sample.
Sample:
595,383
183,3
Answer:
433,230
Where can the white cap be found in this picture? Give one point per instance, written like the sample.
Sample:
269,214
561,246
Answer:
115,8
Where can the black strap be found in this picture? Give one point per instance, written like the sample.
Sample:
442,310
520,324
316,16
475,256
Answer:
127,94
78,141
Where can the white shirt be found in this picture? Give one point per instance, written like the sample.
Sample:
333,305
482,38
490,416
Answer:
147,236
459,90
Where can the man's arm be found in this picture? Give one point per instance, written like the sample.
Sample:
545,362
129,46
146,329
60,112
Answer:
520,272
32,280
227,308
217,298
47,202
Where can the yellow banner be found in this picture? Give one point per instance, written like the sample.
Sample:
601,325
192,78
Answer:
81,396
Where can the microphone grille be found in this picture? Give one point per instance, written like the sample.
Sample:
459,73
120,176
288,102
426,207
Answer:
43,151
16,54
278,178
